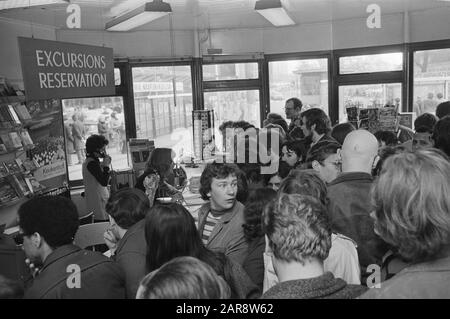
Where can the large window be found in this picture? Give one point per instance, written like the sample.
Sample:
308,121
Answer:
369,78
232,90
305,79
233,106
102,115
431,79
371,63
368,96
163,106
230,71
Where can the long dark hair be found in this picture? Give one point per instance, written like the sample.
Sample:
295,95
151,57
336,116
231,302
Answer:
170,232
254,207
160,161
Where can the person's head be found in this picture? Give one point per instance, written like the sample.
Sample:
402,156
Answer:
439,95
224,126
412,204
96,145
126,207
46,223
219,185
273,181
441,135
293,152
101,120
183,278
305,182
270,117
282,123
340,131
427,120
324,159
161,161
443,109
293,107
10,289
384,154
386,138
252,172
75,117
257,200
315,120
359,151
422,138
170,232
114,115
297,229
430,95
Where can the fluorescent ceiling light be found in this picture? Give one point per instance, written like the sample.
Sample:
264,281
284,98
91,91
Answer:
139,16
13,4
273,11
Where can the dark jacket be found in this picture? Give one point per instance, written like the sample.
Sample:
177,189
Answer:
228,234
430,280
349,211
242,287
130,255
100,278
323,287
254,263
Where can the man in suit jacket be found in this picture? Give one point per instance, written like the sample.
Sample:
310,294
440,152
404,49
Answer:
62,270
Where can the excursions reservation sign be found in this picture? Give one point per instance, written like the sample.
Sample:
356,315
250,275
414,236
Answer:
54,69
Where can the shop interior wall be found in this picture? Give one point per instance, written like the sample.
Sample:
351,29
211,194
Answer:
9,48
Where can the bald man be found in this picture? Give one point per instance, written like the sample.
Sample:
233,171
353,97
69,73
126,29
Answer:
349,195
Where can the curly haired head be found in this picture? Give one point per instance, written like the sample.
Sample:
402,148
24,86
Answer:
297,228
412,204
218,171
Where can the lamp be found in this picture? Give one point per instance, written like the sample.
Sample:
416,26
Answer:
139,16
273,11
13,4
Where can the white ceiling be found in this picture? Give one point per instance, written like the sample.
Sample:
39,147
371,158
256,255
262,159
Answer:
214,14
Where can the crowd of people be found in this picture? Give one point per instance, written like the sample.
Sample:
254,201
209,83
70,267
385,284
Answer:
347,214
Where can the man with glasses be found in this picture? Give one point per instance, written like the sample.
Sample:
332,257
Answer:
325,160
293,108
62,270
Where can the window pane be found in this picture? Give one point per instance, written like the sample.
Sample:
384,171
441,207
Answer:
368,96
431,79
163,106
117,79
230,71
103,115
371,63
233,106
304,79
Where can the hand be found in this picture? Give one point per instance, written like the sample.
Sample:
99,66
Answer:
107,160
177,198
110,240
33,269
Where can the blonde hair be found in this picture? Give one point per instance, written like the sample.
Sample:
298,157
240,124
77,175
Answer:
411,200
